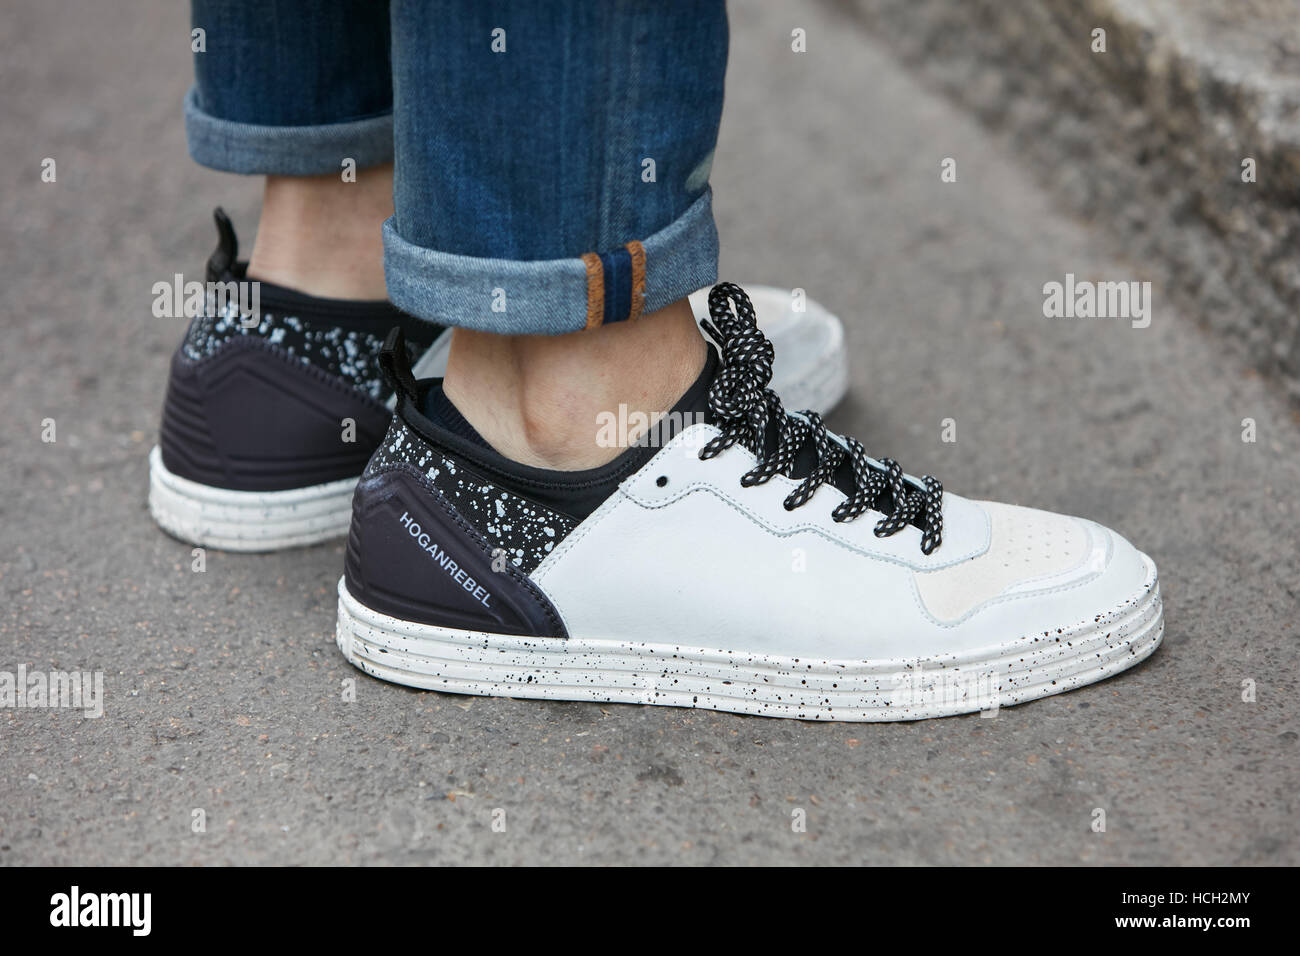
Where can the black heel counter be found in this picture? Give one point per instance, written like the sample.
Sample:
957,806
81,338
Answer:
251,418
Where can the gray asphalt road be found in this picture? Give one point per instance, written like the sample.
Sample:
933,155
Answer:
223,689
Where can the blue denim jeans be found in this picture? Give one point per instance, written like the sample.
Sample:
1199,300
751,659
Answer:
551,158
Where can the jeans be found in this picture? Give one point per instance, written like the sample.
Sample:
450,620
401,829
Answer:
551,159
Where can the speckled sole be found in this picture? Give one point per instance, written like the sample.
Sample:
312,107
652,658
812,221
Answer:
247,520
471,662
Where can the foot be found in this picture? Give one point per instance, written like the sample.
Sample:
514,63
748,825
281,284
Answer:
741,559
271,416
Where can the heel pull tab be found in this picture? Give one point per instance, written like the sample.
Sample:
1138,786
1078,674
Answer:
222,261
395,363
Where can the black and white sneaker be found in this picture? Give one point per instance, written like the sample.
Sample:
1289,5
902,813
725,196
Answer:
271,416
743,559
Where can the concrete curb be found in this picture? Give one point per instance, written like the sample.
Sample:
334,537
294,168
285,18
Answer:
1148,138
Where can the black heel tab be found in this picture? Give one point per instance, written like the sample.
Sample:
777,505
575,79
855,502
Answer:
395,363
222,261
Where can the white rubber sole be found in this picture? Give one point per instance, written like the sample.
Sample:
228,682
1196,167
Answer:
247,520
473,662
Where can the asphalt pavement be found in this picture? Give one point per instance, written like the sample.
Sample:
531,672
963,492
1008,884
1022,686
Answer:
224,695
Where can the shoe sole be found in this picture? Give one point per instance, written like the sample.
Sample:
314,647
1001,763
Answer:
496,665
247,520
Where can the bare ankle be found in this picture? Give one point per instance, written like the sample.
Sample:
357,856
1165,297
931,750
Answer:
539,399
323,236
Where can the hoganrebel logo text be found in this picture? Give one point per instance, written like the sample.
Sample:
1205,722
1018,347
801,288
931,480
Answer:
74,908
445,561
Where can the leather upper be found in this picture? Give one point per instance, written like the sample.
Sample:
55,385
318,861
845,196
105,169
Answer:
684,554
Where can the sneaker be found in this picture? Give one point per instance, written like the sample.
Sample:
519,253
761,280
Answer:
741,558
270,417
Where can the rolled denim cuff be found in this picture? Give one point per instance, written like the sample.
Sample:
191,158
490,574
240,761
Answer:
552,297
285,150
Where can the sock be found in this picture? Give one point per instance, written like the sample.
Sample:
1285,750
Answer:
439,409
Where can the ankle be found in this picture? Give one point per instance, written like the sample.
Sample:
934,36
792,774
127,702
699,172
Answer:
322,236
539,400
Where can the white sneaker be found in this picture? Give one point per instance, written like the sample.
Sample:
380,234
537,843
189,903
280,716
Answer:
752,562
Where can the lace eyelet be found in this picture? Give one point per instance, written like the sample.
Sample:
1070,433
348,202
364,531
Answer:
661,480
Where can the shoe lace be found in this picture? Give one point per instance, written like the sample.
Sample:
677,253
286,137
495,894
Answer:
743,406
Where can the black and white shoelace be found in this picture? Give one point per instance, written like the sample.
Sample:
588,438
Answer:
744,407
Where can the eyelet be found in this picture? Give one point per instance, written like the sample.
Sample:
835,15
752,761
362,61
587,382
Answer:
661,480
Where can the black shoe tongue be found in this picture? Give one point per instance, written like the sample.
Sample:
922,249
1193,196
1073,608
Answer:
696,398
806,460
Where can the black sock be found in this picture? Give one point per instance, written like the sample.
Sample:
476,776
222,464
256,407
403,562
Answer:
439,409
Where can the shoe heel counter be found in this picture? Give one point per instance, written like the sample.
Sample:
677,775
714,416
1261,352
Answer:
411,555
188,448
251,418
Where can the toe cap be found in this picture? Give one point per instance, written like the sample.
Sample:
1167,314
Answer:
1051,569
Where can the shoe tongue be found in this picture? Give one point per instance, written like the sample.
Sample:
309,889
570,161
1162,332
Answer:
806,460
696,398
